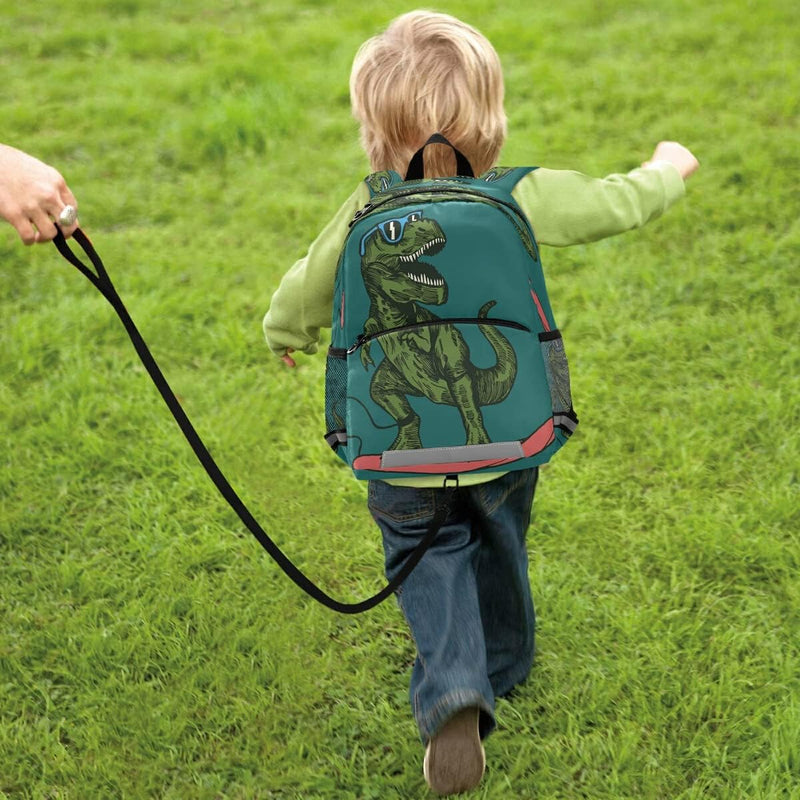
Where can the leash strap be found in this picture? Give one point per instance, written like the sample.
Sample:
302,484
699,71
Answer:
102,282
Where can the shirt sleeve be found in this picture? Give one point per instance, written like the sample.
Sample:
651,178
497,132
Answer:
567,207
302,302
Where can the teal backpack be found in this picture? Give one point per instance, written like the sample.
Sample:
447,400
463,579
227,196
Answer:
445,358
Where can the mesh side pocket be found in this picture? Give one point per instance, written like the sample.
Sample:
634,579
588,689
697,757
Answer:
557,369
335,397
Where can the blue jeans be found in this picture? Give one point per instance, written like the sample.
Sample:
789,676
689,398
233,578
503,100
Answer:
468,602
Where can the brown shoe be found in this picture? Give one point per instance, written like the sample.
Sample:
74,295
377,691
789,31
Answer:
455,759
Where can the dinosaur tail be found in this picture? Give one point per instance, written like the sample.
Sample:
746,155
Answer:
494,383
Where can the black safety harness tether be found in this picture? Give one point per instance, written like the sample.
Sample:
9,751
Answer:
102,282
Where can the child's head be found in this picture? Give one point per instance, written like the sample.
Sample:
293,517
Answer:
428,73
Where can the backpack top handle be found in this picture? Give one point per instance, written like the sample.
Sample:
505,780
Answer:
416,167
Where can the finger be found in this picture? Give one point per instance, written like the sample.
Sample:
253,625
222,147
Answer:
45,226
27,232
71,229
287,357
42,209
67,197
48,198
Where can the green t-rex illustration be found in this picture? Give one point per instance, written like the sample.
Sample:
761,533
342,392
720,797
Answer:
430,359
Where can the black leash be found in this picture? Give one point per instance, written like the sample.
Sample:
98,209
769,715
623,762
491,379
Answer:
101,281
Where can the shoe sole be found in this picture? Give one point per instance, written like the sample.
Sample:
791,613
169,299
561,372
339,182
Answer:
455,759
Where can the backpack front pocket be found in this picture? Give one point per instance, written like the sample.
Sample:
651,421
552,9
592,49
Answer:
448,392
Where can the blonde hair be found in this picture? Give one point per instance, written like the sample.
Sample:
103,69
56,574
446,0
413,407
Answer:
428,73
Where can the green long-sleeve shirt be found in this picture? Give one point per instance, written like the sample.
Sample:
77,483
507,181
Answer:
564,208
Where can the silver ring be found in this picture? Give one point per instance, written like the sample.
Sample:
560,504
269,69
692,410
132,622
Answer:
67,216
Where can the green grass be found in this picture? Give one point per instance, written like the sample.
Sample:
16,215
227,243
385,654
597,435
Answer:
147,646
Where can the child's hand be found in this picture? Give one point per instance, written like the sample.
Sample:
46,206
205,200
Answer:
677,155
287,358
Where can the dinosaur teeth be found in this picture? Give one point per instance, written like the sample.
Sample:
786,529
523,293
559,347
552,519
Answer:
425,280
427,246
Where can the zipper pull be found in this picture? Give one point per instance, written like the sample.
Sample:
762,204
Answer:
360,339
360,213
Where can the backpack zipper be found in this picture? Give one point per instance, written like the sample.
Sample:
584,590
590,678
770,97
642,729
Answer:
364,338
371,206
517,218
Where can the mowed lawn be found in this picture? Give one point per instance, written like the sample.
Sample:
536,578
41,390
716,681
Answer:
150,649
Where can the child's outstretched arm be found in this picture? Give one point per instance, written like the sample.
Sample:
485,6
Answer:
567,207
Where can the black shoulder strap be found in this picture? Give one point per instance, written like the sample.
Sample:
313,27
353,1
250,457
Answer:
416,167
102,282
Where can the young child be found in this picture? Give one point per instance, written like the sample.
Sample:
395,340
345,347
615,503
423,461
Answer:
468,603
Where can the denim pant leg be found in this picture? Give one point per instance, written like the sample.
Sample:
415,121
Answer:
440,603
501,512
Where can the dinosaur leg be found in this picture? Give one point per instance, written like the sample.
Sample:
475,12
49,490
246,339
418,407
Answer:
462,382
463,391
389,390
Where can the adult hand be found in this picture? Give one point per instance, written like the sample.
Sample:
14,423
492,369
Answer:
32,195
677,155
